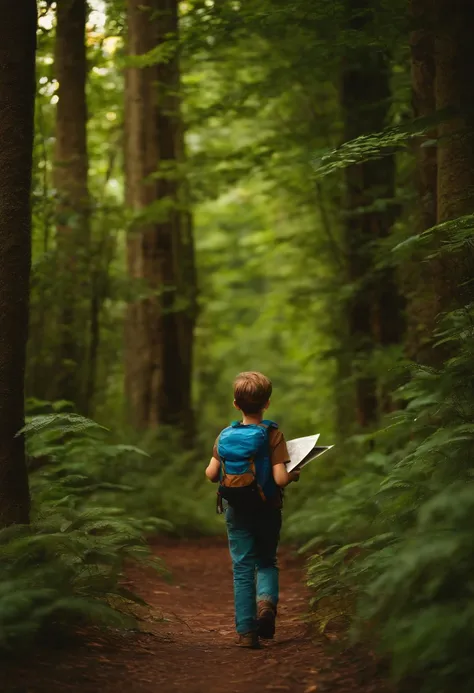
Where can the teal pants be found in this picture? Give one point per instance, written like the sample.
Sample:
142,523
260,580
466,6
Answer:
253,543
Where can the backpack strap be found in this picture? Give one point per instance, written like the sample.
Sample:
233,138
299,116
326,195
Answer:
269,424
219,507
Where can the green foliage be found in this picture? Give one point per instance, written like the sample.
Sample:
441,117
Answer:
387,515
161,488
93,505
57,424
253,189
64,569
256,311
376,145
401,520
68,566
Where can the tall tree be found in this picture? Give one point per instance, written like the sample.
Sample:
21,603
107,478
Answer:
420,274
454,60
17,93
374,309
160,321
70,178
423,97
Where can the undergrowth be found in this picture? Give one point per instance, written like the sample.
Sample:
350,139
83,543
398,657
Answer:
93,504
392,536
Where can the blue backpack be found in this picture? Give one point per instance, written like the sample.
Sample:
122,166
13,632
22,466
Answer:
246,478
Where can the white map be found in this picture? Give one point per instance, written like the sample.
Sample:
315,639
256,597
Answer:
303,450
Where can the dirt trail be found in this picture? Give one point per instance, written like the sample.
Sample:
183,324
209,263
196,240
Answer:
193,650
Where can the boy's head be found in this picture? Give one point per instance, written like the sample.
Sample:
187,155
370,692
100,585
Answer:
252,392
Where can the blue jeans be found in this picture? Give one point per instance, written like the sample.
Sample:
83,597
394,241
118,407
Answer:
253,544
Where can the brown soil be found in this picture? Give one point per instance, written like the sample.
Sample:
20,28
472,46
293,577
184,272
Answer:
188,641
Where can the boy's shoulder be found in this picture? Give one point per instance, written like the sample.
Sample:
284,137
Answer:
266,424
269,423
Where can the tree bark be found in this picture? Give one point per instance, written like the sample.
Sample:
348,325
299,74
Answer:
160,323
71,183
17,93
423,73
454,57
374,309
420,275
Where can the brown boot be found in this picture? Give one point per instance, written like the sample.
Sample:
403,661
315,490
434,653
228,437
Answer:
266,615
249,640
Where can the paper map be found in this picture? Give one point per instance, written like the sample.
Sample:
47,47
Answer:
303,450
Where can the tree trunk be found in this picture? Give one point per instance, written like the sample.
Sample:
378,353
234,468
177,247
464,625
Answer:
454,57
424,106
17,93
374,308
420,275
70,178
160,322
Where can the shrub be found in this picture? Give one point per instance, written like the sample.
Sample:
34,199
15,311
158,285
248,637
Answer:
67,566
394,533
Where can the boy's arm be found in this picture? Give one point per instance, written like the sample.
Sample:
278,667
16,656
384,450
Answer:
282,477
214,467
213,470
280,457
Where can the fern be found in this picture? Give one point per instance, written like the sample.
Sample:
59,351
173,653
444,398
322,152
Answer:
59,423
393,531
376,145
93,502
67,567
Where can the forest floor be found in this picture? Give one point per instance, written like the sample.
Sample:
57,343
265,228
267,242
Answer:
187,643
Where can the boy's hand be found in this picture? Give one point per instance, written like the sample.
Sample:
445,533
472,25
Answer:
294,475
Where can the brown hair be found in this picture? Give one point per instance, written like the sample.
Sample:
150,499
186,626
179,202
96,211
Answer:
252,391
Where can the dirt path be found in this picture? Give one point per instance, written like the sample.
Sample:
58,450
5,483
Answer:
193,650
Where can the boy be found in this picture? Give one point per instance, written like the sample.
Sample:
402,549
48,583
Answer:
253,524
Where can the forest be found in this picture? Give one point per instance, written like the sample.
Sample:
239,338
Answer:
193,189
